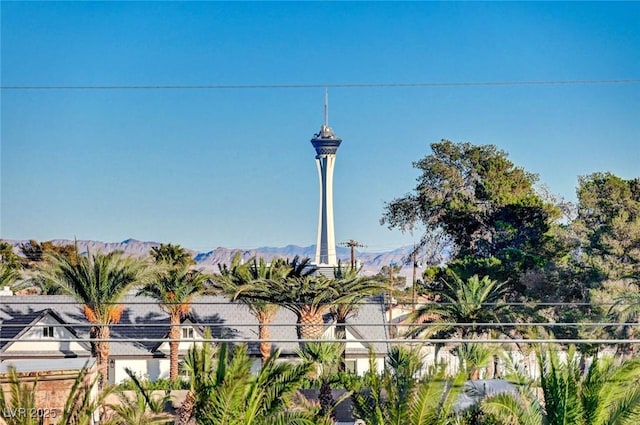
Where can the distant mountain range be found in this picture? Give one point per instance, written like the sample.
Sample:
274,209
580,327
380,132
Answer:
371,262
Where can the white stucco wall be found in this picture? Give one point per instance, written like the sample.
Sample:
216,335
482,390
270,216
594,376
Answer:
362,365
150,368
525,362
34,341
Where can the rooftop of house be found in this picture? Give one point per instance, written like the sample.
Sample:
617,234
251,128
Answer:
144,325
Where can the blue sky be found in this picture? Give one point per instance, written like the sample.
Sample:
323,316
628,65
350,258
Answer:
234,167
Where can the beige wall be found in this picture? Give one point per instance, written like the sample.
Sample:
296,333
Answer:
52,391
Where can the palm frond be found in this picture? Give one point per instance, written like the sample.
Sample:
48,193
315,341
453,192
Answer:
562,402
625,411
83,400
511,409
18,396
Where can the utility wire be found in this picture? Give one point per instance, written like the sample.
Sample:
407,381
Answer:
421,341
138,326
23,300
323,85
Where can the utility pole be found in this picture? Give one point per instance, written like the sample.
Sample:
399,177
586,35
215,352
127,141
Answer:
414,299
391,329
353,245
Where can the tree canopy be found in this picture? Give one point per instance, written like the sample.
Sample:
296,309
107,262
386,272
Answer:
173,255
608,224
486,207
7,257
36,252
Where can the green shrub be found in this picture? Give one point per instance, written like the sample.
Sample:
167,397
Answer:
158,384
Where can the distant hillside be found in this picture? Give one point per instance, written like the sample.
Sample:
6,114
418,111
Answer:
371,262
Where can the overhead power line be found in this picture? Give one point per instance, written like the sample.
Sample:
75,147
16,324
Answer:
318,85
421,341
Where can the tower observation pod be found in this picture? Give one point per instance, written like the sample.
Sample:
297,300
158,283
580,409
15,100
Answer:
326,144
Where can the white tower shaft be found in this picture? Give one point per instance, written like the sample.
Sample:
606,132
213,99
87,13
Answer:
326,246
326,145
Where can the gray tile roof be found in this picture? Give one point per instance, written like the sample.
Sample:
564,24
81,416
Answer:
18,321
144,322
15,327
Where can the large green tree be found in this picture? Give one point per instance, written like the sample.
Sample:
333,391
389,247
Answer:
608,223
36,252
607,257
98,281
474,197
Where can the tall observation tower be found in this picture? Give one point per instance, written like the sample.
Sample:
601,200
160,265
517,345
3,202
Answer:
326,144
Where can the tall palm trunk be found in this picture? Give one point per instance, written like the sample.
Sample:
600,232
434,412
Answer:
264,333
101,352
310,323
325,397
174,343
185,411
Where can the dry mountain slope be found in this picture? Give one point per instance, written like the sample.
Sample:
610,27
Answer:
372,262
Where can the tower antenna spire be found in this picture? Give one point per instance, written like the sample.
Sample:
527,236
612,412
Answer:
326,144
326,107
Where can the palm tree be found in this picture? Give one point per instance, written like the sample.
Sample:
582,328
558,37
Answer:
325,356
239,280
225,392
200,367
83,402
398,396
174,255
175,290
626,310
360,288
473,357
310,297
344,274
98,281
608,394
462,302
143,409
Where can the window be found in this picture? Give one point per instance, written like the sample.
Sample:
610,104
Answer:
47,332
187,333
